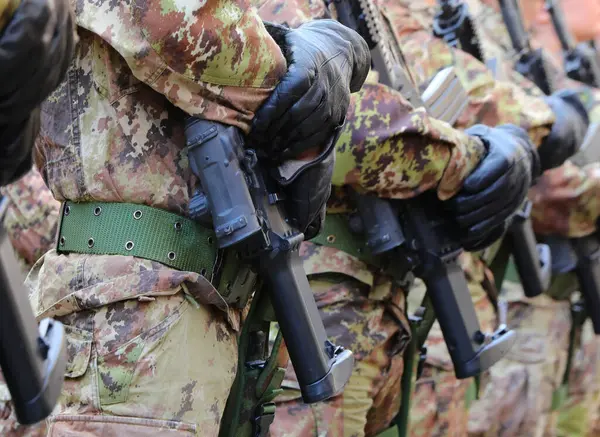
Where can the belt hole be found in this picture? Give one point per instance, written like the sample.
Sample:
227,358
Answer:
97,211
203,272
178,226
62,241
91,243
137,214
129,245
331,238
210,240
171,255
67,210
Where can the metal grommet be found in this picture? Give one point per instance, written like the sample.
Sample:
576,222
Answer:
129,245
62,241
210,240
67,210
203,272
178,226
331,238
171,255
97,211
90,242
137,214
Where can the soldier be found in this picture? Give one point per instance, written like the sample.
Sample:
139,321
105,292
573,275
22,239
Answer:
30,220
414,26
153,349
576,416
361,308
42,32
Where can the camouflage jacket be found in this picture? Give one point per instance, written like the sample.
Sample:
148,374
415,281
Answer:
113,130
568,211
386,147
31,218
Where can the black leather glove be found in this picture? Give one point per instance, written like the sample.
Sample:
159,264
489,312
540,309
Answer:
568,131
493,192
35,50
326,63
306,195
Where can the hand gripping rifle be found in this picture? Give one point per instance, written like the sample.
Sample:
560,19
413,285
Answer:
247,213
530,63
454,24
32,357
581,60
414,233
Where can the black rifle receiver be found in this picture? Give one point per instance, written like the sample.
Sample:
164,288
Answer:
420,237
248,214
530,63
581,60
33,358
454,24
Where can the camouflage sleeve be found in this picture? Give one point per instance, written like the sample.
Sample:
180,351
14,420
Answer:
389,148
566,200
31,217
211,58
490,102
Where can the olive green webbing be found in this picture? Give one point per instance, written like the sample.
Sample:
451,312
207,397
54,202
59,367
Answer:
336,233
101,228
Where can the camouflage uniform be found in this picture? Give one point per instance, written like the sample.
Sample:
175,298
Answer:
142,358
371,398
512,104
361,308
565,203
30,221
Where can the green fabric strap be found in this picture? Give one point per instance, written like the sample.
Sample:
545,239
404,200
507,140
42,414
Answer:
423,328
390,432
101,228
336,233
249,410
407,382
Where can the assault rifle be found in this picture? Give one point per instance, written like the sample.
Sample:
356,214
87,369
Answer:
582,255
581,60
454,24
32,357
414,234
530,63
248,214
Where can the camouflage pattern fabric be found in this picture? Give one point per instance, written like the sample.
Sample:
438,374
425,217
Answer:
439,405
517,391
576,418
365,312
30,221
142,358
31,218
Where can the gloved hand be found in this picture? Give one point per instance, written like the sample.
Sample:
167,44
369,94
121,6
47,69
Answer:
568,131
35,50
326,63
306,195
493,192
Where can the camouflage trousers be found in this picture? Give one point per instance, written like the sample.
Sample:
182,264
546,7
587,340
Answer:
579,416
377,332
9,427
439,406
517,392
155,366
